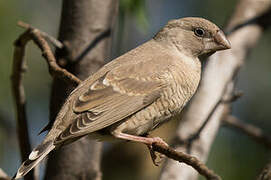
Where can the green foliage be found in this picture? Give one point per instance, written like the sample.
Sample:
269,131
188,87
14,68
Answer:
134,8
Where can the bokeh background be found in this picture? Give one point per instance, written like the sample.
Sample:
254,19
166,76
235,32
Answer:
234,156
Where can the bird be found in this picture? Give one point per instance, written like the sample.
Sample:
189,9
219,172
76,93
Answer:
136,92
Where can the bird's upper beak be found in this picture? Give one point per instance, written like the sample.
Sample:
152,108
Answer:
222,41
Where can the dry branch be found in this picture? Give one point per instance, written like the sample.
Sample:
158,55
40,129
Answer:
252,131
49,38
217,83
19,96
19,67
38,37
187,159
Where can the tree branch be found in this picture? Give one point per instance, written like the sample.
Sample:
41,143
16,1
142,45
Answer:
187,159
49,38
38,37
19,67
252,131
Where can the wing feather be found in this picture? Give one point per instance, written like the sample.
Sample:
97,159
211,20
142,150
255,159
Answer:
110,99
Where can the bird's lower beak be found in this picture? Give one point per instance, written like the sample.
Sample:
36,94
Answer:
222,41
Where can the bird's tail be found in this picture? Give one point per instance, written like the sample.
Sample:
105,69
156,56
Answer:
34,158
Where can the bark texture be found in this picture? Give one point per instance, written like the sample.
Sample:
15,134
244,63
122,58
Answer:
85,31
217,82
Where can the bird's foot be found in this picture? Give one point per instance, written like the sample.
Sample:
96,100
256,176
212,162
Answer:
157,158
149,141
156,140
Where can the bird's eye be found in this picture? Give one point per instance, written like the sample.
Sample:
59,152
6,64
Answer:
199,32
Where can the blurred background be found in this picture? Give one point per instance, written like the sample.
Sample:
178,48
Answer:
233,155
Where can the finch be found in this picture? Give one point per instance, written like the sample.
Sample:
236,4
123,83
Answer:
136,92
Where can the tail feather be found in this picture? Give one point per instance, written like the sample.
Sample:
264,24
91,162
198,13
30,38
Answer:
34,158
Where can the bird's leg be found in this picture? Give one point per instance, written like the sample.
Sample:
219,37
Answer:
149,141
146,140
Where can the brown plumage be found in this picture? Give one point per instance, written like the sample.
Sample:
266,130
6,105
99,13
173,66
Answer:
138,91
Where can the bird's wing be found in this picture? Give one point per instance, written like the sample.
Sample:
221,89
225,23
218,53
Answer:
118,94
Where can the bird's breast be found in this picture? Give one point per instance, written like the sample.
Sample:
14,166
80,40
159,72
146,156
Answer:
171,102
182,84
177,94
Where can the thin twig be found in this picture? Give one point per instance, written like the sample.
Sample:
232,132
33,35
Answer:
235,95
19,67
196,135
47,53
19,98
38,37
254,132
48,37
187,159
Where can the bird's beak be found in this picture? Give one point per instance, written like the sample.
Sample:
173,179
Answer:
222,41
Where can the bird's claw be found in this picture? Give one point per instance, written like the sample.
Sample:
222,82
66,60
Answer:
157,158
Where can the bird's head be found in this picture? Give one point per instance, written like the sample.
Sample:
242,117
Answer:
193,36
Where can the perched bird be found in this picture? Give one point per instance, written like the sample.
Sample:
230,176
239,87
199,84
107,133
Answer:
136,92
